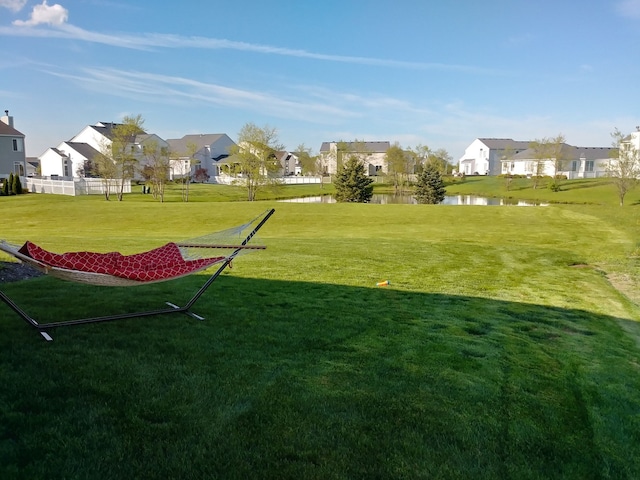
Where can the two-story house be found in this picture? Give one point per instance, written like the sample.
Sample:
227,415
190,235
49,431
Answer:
372,155
72,158
484,156
12,152
205,151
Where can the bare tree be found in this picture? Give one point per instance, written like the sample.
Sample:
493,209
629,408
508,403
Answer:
507,155
540,149
156,168
624,167
105,168
310,164
180,163
421,154
440,160
558,157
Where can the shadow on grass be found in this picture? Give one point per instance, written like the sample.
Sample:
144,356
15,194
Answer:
305,380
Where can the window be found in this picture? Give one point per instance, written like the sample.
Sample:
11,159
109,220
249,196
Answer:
574,165
17,144
588,166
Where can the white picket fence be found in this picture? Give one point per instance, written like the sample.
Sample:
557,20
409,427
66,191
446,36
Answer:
291,180
77,186
96,186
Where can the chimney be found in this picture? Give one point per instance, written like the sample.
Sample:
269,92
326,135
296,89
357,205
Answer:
7,120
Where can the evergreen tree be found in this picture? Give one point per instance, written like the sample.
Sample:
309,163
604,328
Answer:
16,186
10,185
430,186
352,184
5,187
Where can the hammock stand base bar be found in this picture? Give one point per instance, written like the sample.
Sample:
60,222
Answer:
42,328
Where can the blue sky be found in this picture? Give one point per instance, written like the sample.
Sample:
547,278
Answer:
424,72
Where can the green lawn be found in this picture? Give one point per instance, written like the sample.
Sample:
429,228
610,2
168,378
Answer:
501,349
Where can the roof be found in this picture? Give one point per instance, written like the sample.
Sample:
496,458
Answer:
181,145
368,146
504,143
284,154
6,130
84,149
106,128
569,152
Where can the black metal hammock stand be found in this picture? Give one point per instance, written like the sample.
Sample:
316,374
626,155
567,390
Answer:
168,262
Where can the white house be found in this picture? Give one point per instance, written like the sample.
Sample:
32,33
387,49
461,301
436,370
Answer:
211,151
484,155
70,159
12,153
67,160
576,162
370,153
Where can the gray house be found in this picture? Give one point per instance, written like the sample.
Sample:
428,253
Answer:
208,151
12,155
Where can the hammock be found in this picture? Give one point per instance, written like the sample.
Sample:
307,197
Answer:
170,261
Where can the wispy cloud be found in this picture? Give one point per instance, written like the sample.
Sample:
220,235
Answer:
180,90
14,5
57,27
628,8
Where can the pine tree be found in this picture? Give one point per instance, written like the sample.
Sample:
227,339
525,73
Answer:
352,184
5,187
16,186
10,182
430,186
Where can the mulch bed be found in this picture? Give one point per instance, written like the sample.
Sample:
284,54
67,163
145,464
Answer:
13,271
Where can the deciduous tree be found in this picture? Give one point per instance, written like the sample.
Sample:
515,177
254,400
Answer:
624,167
399,167
255,157
156,169
116,159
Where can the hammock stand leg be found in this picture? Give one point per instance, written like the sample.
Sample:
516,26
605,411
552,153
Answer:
174,308
43,327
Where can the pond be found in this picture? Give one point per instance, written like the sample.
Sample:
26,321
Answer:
383,198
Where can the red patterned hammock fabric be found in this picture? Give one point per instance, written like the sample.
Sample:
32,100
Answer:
161,263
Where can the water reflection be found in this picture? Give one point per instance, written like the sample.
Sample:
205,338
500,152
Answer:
383,198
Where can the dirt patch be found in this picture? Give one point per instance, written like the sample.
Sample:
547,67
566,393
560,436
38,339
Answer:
13,272
626,284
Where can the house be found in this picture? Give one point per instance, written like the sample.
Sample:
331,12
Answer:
575,162
67,160
372,155
290,164
484,155
72,158
12,152
205,151
33,166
